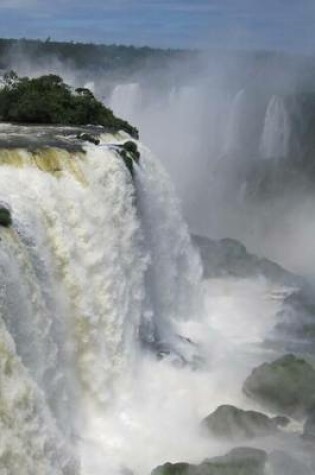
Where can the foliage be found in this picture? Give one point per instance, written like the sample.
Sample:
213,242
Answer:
48,100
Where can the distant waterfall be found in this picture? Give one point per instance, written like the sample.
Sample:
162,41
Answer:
92,261
125,100
275,140
235,122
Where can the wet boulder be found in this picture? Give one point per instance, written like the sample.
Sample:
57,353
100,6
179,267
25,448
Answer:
88,138
228,257
240,461
229,422
5,217
286,385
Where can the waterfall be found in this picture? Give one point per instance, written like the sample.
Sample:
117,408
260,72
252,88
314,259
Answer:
170,250
233,139
275,140
95,264
126,100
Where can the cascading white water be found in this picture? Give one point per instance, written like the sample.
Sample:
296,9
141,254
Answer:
275,139
169,246
89,260
125,100
30,442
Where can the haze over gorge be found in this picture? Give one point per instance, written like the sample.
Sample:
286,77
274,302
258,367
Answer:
157,309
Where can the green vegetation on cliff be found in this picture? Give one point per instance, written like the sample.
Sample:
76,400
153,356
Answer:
48,100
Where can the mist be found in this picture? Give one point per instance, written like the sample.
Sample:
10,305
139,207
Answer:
221,131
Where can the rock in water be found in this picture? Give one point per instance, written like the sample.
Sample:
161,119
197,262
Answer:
286,385
88,138
240,461
5,217
228,257
232,423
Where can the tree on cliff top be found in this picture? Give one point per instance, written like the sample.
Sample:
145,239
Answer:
48,100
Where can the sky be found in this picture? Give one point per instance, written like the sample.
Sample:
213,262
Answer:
257,24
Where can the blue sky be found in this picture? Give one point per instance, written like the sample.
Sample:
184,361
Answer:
263,24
